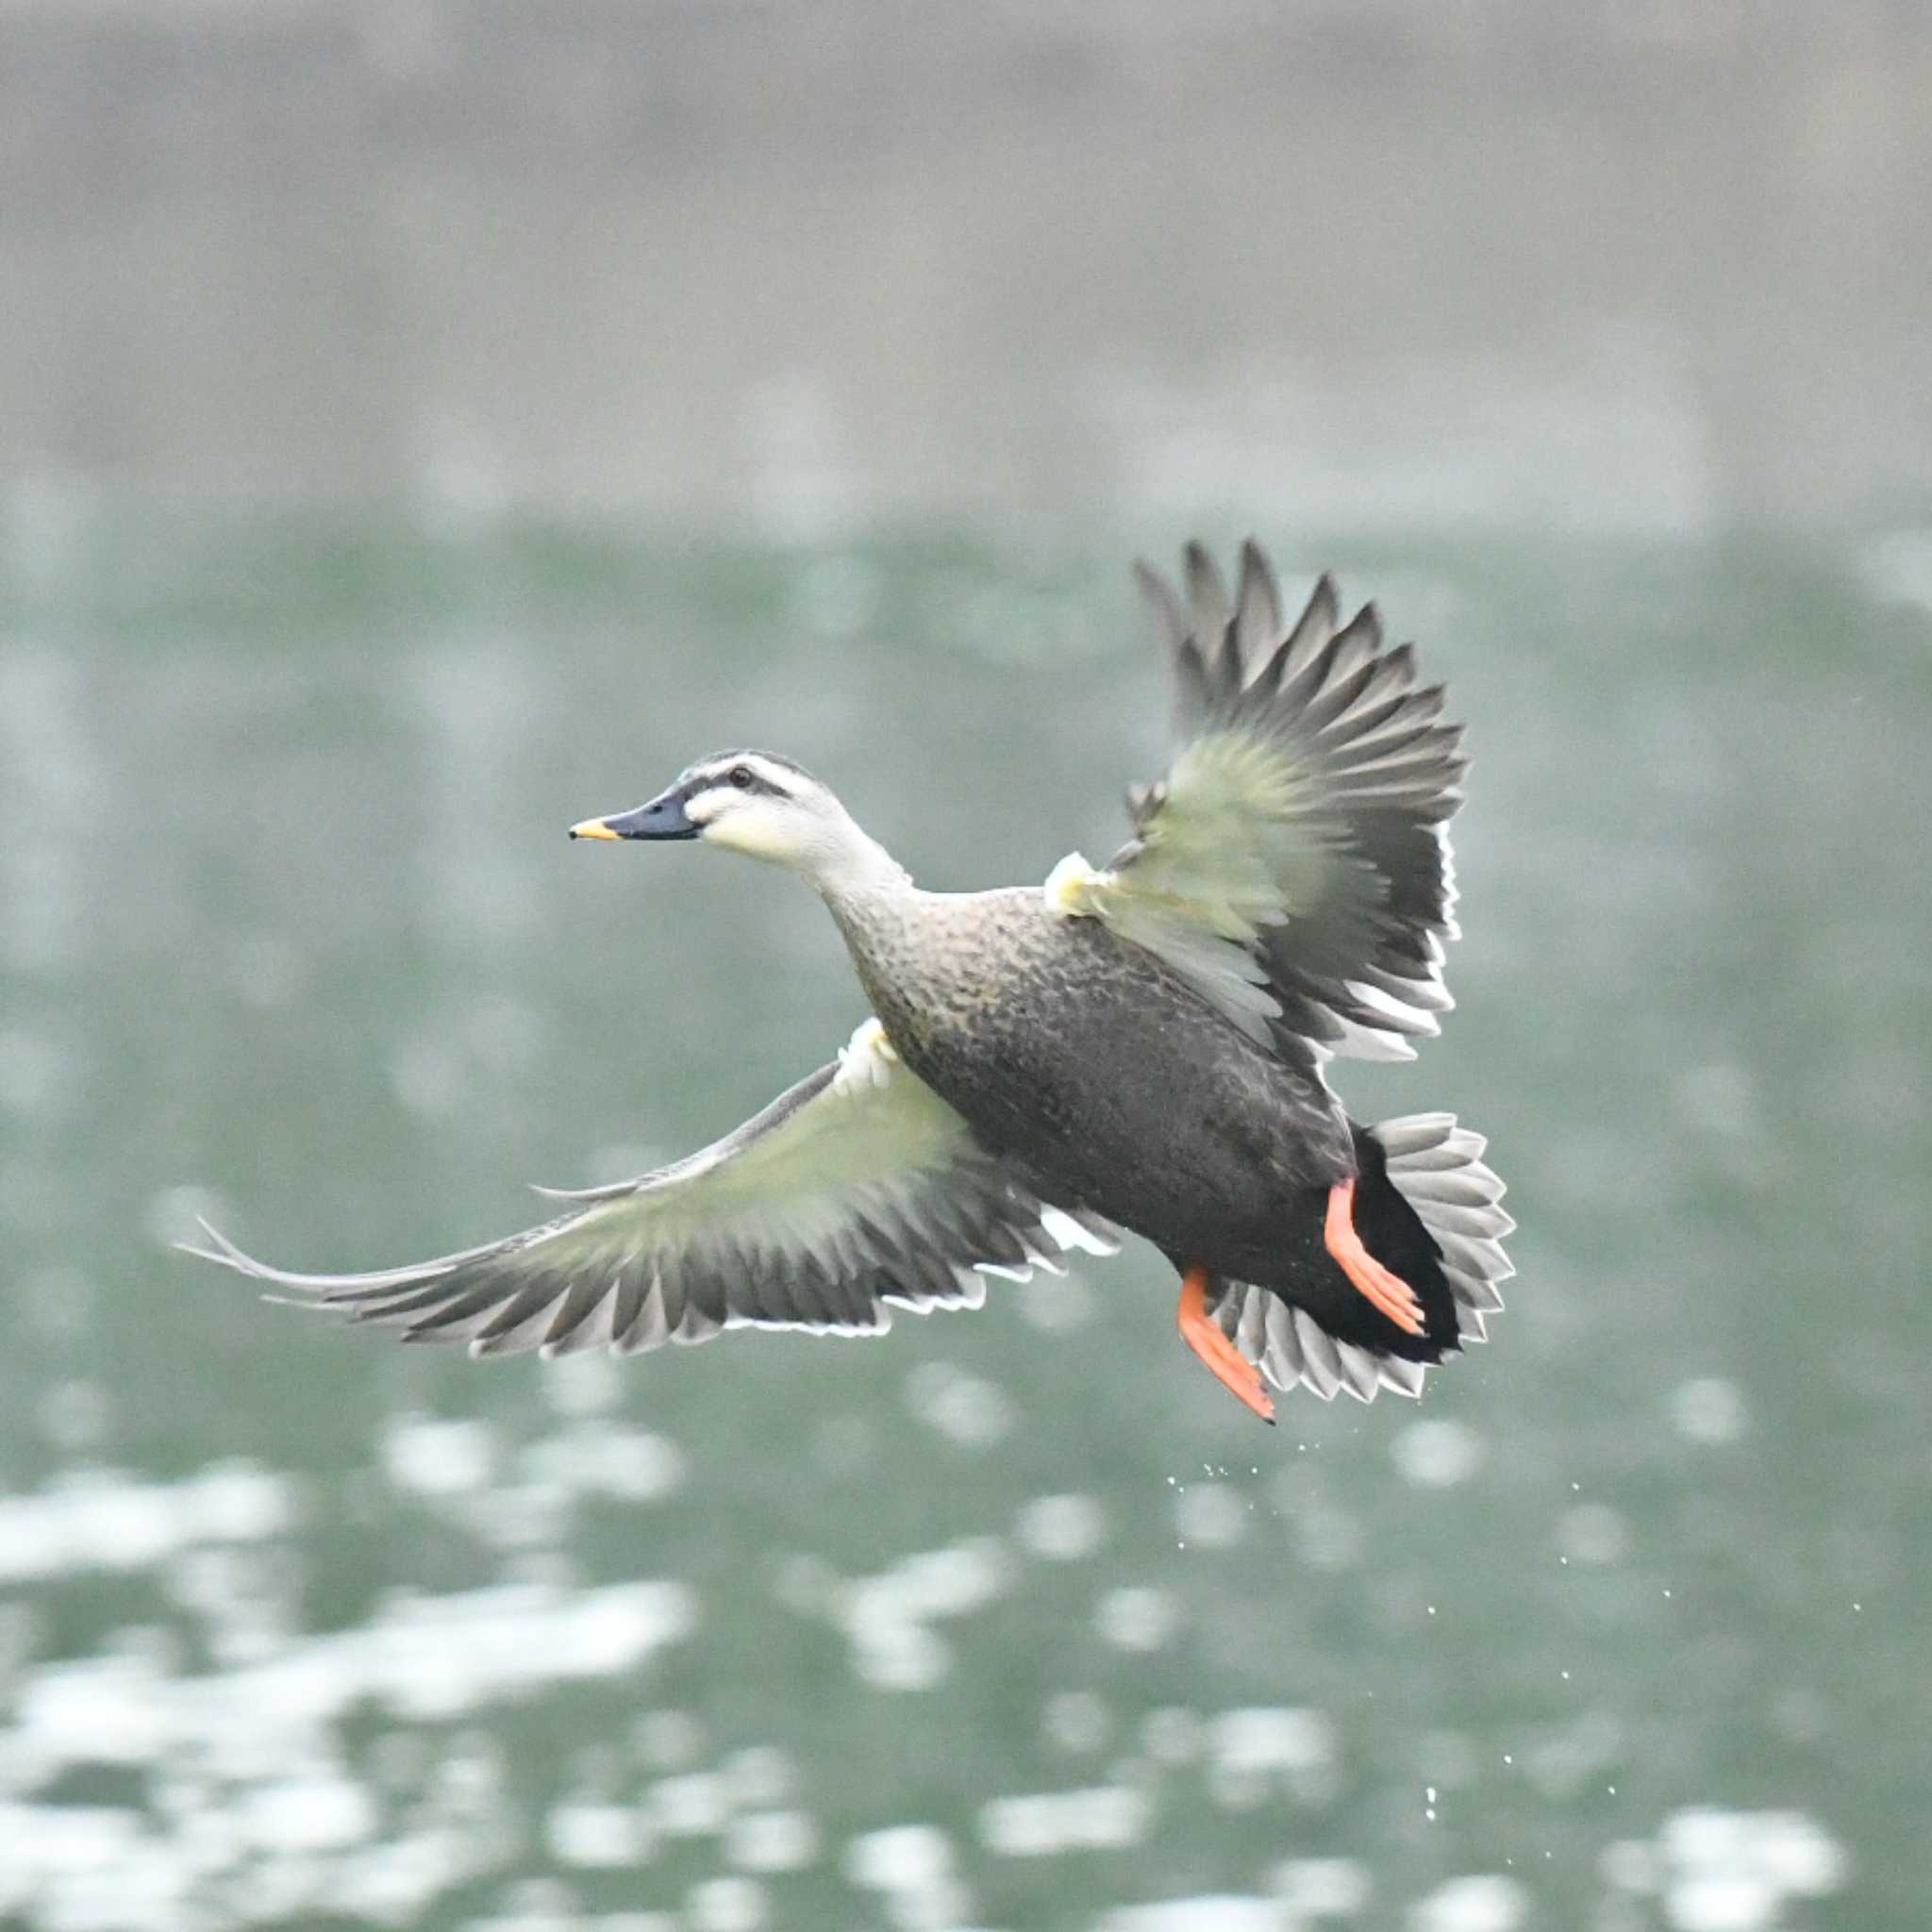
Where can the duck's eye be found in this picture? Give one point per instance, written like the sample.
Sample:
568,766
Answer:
740,777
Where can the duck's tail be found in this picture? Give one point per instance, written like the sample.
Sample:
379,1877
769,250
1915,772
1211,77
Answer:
1429,1210
1437,1167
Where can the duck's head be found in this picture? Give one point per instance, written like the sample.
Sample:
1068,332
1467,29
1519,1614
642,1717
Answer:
753,802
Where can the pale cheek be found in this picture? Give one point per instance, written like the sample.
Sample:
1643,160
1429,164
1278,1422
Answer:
751,833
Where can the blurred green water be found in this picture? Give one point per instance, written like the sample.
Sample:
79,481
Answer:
291,933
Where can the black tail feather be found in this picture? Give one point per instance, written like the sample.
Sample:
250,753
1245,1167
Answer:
1426,1206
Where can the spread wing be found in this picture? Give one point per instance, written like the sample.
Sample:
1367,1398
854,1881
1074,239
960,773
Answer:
857,1191
1293,865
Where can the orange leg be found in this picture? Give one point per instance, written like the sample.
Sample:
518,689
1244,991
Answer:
1230,1368
1385,1289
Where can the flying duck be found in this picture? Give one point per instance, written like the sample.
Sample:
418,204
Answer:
1141,1046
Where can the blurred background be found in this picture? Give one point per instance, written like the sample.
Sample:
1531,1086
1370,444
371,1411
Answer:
423,425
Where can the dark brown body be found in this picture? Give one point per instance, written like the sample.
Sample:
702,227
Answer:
1123,1091
1085,1056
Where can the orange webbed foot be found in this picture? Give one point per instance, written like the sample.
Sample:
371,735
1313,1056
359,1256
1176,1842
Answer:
1225,1362
1383,1289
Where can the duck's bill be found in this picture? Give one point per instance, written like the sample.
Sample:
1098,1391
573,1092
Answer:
664,817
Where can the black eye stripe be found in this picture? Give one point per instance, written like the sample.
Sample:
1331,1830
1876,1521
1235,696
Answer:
746,778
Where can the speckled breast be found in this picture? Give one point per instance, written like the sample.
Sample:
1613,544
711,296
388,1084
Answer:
1086,1057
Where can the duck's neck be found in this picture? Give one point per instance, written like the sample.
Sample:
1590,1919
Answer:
884,919
871,899
851,869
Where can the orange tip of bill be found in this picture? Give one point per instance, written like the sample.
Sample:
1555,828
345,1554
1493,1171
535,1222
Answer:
591,829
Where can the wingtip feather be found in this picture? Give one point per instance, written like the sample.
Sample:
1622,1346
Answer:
1160,595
